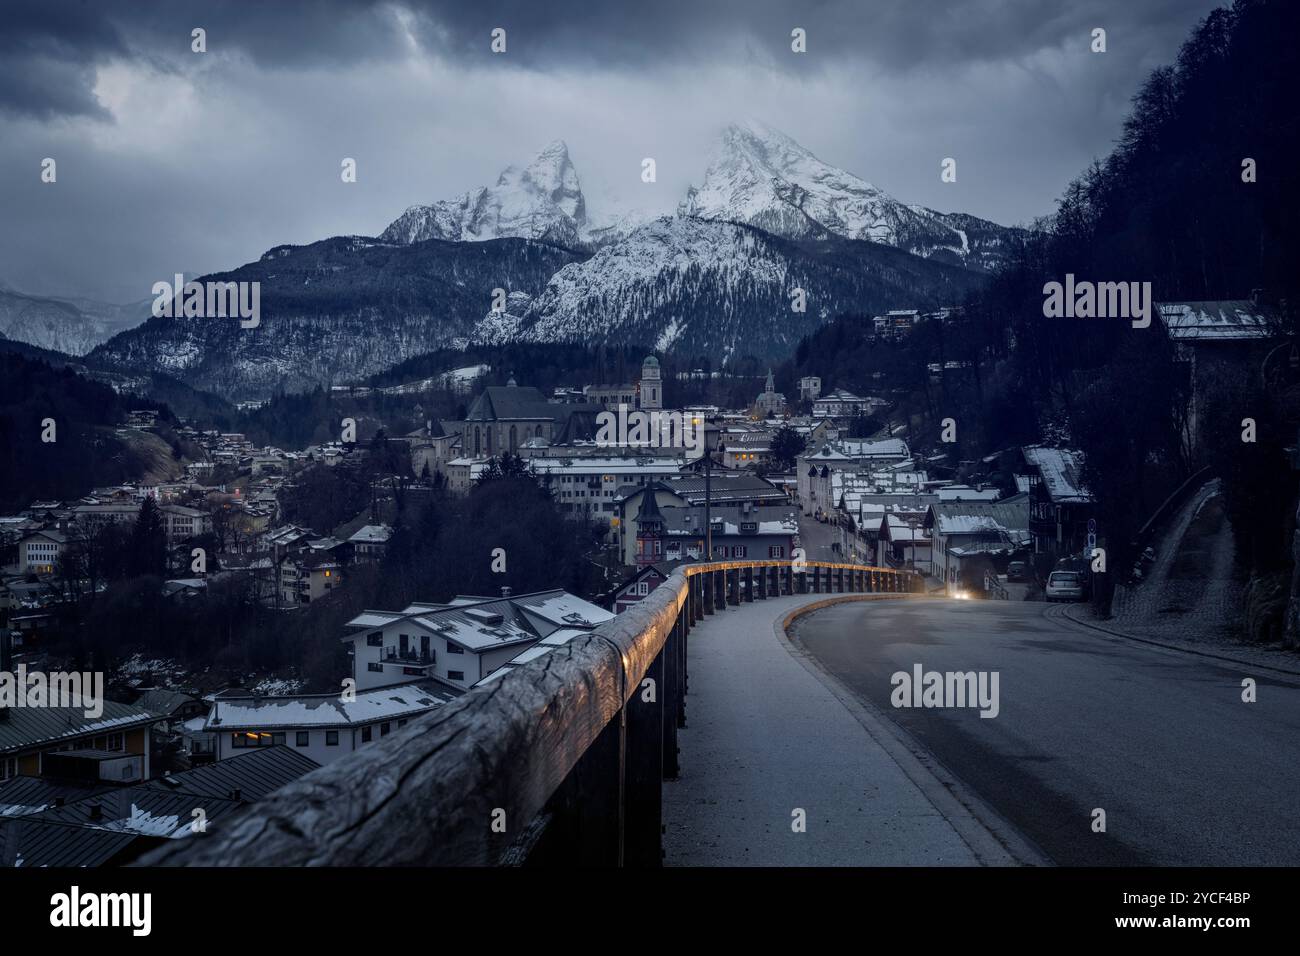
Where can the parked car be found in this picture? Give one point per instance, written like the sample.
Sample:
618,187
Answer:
1017,570
1064,586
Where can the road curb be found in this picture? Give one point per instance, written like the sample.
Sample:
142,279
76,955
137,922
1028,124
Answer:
1242,662
991,837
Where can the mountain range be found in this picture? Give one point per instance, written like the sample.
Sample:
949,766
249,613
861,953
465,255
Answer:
716,279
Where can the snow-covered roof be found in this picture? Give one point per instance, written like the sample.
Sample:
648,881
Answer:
479,623
325,710
1215,321
1061,469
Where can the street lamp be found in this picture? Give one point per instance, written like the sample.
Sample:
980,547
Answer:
912,522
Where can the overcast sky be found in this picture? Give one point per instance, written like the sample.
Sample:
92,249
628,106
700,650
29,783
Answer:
171,161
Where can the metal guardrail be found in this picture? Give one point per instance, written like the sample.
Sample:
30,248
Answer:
560,761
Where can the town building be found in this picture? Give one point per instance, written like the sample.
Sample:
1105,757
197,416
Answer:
323,727
642,583
46,823
1060,505
678,534
770,402
460,643
728,494
502,418
961,528
370,542
1218,342
587,487
842,403
40,551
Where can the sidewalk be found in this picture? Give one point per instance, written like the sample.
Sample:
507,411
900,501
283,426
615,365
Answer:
765,737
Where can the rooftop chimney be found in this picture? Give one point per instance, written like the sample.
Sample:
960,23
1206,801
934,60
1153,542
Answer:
96,810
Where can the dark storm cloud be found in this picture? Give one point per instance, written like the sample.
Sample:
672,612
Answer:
170,162
48,48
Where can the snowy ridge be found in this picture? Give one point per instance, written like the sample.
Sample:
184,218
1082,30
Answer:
760,176
541,201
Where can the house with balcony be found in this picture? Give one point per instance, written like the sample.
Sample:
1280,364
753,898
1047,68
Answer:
460,643
305,581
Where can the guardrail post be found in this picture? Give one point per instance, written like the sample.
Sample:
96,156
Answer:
644,769
587,825
761,580
673,692
708,592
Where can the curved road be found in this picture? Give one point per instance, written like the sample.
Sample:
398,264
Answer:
1161,740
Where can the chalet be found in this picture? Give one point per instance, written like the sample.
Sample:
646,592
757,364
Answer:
460,643
1060,506
904,541
370,542
970,526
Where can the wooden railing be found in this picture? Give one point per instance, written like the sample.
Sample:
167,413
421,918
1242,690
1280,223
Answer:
560,761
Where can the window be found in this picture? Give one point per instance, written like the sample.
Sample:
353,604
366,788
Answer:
643,588
776,551
277,740
375,640
384,729
402,722
245,739
115,742
454,648
367,733
455,675
331,738
303,738
8,767
375,666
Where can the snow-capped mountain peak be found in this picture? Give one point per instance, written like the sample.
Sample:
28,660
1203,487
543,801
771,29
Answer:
760,176
543,200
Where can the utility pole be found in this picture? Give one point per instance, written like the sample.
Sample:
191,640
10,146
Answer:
708,492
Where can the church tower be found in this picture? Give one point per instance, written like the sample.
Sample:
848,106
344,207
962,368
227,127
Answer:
651,396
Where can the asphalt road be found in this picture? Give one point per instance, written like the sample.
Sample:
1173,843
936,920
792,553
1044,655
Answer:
1186,772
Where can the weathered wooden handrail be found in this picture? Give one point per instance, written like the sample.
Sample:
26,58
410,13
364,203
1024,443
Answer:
560,759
